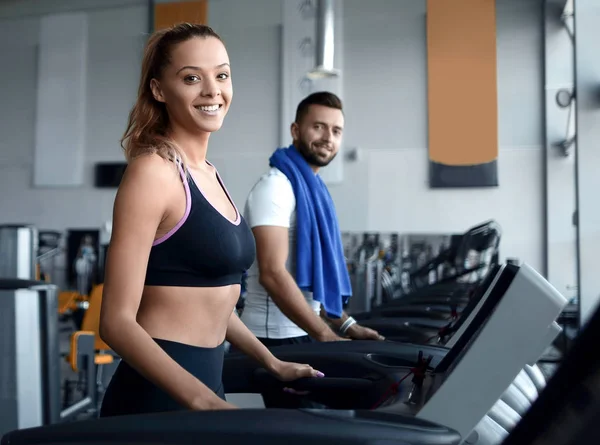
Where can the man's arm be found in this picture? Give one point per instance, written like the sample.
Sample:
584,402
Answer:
335,322
272,252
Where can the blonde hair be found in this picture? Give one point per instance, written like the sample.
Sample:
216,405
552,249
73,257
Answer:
148,122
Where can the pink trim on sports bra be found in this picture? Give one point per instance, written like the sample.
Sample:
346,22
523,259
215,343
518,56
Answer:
188,207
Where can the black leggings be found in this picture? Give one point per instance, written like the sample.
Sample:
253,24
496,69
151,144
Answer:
271,342
130,393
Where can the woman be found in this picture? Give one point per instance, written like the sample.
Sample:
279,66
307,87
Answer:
179,245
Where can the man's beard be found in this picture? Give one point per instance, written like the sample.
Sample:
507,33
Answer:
310,157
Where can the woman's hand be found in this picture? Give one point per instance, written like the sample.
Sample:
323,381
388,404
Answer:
223,406
211,403
289,371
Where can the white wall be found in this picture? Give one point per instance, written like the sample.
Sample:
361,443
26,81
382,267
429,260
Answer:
393,107
116,38
241,149
385,100
561,203
385,93
587,76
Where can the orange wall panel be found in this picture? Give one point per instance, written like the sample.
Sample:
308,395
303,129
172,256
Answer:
462,82
169,14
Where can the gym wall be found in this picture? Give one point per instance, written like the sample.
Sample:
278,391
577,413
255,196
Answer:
385,94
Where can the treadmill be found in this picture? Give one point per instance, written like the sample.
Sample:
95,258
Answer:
568,410
424,323
416,319
566,413
376,288
421,331
450,392
359,373
445,329
482,238
241,372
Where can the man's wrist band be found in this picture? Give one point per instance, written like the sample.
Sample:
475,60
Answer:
346,325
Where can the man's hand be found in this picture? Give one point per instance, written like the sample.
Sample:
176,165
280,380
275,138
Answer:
329,335
354,331
358,332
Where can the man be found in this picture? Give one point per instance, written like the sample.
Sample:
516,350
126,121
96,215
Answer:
297,286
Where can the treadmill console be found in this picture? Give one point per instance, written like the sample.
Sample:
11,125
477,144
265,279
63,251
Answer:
517,323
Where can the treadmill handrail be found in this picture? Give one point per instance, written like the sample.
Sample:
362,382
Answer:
267,379
267,427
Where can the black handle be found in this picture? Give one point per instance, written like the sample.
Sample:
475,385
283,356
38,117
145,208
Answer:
415,313
264,378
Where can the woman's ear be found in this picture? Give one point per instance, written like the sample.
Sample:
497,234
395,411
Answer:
156,90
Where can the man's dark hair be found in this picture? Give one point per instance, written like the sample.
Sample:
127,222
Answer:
324,98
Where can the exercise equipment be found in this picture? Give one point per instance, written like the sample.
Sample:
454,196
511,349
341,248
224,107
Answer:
567,410
454,384
48,250
443,325
427,319
457,387
18,248
72,306
381,275
272,427
466,259
438,323
89,358
30,373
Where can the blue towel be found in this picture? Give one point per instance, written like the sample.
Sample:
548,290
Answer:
320,263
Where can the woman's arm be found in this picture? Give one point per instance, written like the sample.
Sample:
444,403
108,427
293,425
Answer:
140,206
243,339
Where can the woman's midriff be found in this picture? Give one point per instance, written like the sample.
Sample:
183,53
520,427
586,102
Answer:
193,316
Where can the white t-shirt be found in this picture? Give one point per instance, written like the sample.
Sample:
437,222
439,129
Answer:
272,203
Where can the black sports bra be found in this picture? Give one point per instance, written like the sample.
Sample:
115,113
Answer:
205,248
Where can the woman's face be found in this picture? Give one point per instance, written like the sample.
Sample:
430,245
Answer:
196,85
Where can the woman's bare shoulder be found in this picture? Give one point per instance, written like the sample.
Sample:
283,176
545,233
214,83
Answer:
151,167
148,178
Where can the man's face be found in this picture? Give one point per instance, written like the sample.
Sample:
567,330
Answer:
318,135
